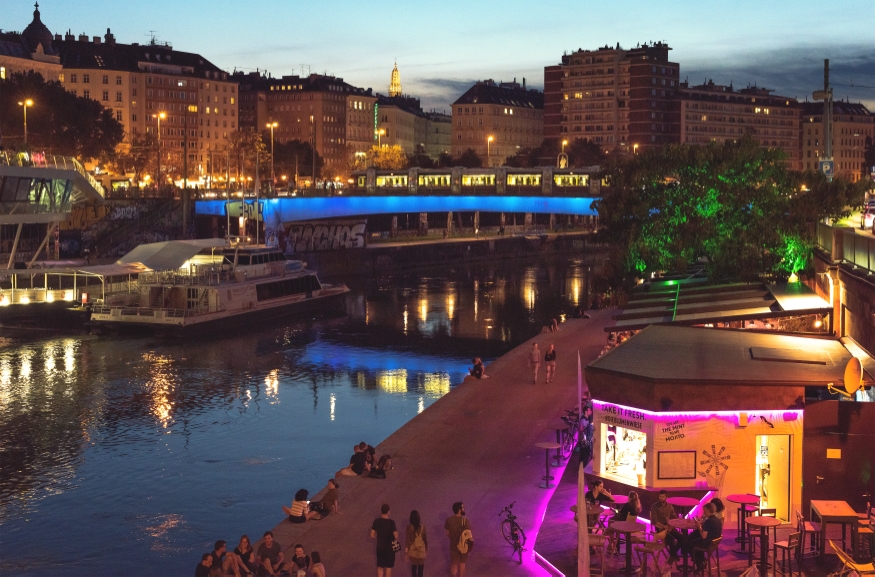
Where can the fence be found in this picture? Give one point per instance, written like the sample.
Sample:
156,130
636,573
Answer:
847,245
42,160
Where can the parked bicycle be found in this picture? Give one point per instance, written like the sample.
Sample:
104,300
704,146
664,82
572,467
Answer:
569,437
512,532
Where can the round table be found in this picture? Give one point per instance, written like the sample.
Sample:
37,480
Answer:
547,446
683,503
685,525
744,501
763,523
619,501
627,528
559,427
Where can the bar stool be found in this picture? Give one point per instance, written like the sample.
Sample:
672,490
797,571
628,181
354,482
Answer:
711,551
560,428
792,546
864,541
808,528
547,446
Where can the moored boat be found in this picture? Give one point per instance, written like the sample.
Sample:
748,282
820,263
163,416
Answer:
213,288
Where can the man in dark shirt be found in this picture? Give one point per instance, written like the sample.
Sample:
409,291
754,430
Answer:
222,559
203,568
270,554
300,560
660,514
358,462
708,530
598,494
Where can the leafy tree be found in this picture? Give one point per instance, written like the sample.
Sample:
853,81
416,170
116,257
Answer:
734,206
296,153
580,151
469,159
386,157
421,160
138,157
445,160
584,152
244,147
59,122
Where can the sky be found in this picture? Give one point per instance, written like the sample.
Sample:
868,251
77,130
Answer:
442,47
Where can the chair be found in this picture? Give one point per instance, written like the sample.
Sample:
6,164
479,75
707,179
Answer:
850,565
808,528
599,543
711,551
655,549
789,548
865,541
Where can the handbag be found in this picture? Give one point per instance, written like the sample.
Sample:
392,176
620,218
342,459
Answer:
396,546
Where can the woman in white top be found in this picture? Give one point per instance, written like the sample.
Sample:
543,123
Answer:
300,512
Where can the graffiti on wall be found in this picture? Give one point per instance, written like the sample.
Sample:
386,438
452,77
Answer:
325,235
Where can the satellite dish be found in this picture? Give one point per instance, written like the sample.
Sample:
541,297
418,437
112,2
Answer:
853,375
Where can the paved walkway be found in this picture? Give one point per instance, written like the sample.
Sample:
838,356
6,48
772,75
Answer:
476,445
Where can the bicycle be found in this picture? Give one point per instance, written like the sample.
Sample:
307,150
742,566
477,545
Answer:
569,438
513,533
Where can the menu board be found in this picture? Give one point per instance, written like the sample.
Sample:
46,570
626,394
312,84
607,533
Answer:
676,464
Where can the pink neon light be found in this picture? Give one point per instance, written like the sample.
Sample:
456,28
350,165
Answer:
697,413
708,496
540,559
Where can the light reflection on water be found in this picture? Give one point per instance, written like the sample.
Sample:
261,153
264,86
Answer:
120,453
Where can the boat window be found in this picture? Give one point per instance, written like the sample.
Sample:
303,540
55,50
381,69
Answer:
242,259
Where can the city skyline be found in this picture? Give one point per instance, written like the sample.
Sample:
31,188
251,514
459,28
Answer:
726,44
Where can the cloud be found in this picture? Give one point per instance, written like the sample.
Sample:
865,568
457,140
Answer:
438,93
796,71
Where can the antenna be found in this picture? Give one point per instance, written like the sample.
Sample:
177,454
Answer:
853,379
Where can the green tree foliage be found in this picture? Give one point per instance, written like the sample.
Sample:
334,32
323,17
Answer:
469,159
59,122
734,206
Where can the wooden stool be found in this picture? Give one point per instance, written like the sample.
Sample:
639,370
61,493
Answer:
547,446
560,429
712,551
789,548
655,549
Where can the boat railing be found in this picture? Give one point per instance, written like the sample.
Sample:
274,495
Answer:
140,311
210,276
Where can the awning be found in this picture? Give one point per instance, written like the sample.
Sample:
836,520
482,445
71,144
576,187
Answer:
168,255
696,303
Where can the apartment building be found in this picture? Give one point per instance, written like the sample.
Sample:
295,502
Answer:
852,124
29,51
716,113
615,97
496,120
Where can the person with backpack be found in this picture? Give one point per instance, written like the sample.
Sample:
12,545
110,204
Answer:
458,529
416,544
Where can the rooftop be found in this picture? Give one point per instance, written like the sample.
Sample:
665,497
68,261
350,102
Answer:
504,93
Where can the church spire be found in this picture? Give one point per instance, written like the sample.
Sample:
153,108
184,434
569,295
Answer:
395,85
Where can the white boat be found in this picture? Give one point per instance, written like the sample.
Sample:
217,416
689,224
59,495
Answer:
202,287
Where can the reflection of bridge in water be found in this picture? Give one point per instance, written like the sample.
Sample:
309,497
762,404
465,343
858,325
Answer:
541,190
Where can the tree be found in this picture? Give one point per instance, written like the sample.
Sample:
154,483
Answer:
420,159
139,157
734,206
584,152
469,159
59,122
386,157
244,146
445,160
296,155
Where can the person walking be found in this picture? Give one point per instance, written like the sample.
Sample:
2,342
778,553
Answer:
550,360
454,526
416,544
384,531
535,361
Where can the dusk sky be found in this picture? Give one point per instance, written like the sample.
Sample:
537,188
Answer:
443,46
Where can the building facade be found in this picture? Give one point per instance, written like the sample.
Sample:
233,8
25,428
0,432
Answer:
29,51
439,134
716,113
496,120
401,122
615,97
852,123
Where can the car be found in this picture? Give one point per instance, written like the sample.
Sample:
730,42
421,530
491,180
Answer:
868,217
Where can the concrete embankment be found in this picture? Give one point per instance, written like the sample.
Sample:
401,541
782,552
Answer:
475,445
388,257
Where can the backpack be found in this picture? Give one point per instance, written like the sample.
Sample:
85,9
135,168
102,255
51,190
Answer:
417,548
466,539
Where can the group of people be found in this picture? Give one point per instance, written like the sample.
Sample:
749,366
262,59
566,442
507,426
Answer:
549,361
618,338
708,527
363,462
385,532
267,560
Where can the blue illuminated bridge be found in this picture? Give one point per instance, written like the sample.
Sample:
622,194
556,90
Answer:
542,190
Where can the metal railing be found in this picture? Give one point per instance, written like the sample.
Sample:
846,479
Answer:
42,160
857,249
144,311
215,277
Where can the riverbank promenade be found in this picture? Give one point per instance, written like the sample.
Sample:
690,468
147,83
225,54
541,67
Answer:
476,445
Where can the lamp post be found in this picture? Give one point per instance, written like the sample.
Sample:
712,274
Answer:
160,116
634,149
489,140
272,125
380,134
24,105
564,144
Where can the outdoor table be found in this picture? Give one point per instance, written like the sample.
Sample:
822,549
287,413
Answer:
744,501
833,512
559,427
764,523
683,503
627,528
547,446
619,501
685,525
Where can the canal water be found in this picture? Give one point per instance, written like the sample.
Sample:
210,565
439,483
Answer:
132,455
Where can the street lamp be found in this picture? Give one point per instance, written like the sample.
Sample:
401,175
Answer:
160,116
634,149
564,144
380,134
489,140
272,125
25,104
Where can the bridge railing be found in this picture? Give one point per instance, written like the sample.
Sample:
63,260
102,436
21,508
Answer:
846,245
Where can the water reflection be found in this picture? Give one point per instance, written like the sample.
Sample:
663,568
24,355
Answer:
80,449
